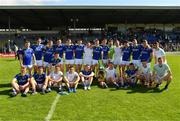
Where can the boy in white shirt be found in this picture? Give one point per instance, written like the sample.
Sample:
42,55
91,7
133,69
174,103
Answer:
111,75
144,74
55,78
71,79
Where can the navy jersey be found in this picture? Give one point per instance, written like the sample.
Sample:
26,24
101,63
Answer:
59,49
48,54
86,73
79,50
97,52
146,54
21,80
130,72
69,52
105,50
126,53
54,61
136,52
40,79
38,51
27,55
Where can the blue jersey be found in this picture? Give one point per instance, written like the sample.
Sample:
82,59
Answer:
97,52
48,54
130,72
126,53
27,55
105,50
136,52
146,54
79,50
38,51
40,79
54,61
86,73
22,80
59,49
69,52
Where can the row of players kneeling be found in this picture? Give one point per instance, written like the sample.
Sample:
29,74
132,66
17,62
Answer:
22,82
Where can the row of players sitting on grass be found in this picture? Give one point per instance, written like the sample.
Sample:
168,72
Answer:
22,82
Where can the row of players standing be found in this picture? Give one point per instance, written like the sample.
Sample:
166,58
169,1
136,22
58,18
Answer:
90,54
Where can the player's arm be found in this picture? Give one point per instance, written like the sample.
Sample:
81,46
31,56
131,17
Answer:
21,60
92,74
34,59
63,56
155,59
77,79
50,77
65,79
60,79
153,74
164,59
27,84
14,80
102,54
151,56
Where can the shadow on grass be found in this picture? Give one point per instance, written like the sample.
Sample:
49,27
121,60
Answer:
5,85
142,89
9,60
5,92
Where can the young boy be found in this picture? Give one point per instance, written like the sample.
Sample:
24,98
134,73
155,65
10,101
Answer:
130,76
20,83
56,60
101,78
144,74
111,75
86,76
48,55
71,79
55,79
26,57
162,72
39,81
79,51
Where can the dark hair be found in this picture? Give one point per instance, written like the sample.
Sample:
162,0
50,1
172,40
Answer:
27,41
131,64
159,58
56,52
71,66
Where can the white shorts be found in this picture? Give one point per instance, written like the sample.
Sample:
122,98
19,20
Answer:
39,62
28,66
126,63
87,61
78,61
71,62
136,63
105,61
46,64
117,61
94,62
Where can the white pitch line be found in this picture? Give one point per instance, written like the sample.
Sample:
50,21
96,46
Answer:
53,107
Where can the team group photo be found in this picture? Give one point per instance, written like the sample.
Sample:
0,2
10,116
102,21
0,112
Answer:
121,64
97,60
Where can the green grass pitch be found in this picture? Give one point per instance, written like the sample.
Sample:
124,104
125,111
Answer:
94,105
